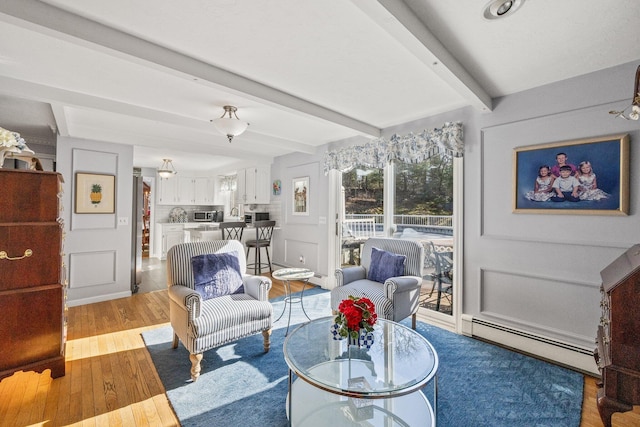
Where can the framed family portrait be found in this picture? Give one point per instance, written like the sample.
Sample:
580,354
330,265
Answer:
95,193
586,176
300,190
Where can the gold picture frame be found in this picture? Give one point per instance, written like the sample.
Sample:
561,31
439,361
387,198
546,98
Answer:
95,193
602,189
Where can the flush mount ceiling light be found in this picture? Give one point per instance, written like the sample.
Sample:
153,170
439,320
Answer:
634,114
229,124
166,170
501,8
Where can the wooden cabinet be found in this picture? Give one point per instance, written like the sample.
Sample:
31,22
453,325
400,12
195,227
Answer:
254,185
32,290
618,336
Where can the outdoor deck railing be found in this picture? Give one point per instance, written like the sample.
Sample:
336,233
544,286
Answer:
428,222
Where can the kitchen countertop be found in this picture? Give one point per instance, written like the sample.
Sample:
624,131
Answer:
203,225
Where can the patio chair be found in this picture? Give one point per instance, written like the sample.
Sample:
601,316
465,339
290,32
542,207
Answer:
442,276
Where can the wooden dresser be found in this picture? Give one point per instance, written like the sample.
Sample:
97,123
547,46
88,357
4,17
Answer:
32,291
618,341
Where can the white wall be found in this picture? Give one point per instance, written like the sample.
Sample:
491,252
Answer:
540,273
97,250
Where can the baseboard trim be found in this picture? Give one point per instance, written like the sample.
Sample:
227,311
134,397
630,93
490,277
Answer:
99,298
562,353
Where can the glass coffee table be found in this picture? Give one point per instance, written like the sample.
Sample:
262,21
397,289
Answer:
341,385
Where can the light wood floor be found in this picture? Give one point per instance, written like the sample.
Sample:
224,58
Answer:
110,379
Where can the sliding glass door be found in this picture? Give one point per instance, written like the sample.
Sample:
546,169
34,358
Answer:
404,201
423,211
363,210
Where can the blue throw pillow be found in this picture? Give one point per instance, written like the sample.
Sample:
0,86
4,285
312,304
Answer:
384,265
215,275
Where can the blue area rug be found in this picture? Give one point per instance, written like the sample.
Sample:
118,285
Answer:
478,384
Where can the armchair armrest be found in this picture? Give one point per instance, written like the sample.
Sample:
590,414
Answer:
350,274
401,284
188,298
257,286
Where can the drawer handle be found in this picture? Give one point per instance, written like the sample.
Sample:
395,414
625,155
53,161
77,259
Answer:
27,253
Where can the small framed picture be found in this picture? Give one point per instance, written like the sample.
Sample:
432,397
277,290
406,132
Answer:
277,187
300,190
587,176
95,193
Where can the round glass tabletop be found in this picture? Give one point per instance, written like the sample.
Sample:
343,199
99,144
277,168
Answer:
292,274
400,360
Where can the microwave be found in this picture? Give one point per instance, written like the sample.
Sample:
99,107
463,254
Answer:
204,216
252,217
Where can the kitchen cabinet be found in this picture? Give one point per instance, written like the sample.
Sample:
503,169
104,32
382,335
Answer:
185,190
170,235
254,185
203,190
168,191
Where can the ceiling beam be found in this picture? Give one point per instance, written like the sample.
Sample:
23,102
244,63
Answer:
401,23
60,23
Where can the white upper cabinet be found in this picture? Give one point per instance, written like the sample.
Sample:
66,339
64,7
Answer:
186,190
167,191
254,185
204,190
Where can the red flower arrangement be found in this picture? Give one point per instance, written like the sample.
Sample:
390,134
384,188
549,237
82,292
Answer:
354,314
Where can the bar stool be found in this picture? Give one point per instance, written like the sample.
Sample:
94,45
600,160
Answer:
264,231
232,230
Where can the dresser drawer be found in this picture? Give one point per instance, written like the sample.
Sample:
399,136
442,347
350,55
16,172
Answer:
42,267
32,196
31,328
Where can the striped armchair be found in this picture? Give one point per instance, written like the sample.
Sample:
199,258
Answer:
396,298
205,324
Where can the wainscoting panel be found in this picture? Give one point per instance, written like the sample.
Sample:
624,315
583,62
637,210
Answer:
295,249
540,304
92,269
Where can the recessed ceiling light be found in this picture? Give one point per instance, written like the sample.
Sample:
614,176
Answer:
501,8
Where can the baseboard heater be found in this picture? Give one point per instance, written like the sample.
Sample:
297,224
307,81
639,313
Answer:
563,353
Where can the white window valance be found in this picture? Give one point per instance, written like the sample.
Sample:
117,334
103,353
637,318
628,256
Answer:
410,148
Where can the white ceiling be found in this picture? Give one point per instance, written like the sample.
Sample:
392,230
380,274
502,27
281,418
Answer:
153,73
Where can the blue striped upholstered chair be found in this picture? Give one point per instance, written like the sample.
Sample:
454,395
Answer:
205,324
396,298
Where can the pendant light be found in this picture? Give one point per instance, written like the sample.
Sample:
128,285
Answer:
166,170
229,124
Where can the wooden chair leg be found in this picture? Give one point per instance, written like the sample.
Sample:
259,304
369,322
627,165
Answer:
266,334
195,365
175,340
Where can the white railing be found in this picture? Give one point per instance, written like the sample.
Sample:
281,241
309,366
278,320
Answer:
421,220
358,228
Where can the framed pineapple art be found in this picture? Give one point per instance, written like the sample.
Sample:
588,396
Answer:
95,193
